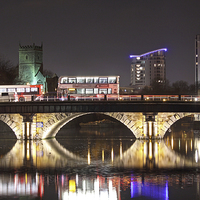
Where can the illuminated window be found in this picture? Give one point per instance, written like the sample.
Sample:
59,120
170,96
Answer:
103,91
96,90
72,80
89,91
28,90
96,80
33,89
103,80
64,80
112,79
80,80
3,90
11,89
81,91
20,89
89,80
71,91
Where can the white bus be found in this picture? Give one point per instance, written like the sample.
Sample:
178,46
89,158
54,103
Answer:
88,87
20,92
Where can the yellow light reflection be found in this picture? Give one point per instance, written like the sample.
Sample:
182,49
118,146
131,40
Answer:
150,129
120,150
89,155
72,186
150,150
145,152
186,147
28,128
26,178
27,151
112,155
191,144
102,155
172,142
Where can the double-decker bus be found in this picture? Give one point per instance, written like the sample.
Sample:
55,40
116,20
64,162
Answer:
20,92
88,87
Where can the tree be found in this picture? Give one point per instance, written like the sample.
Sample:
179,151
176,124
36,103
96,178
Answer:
180,87
8,72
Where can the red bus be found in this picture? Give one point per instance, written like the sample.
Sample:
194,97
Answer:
87,87
20,92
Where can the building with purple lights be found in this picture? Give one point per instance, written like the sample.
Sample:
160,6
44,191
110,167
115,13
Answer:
148,67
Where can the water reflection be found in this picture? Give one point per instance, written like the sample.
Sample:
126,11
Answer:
99,166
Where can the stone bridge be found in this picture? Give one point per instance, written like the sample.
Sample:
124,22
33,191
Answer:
146,120
142,125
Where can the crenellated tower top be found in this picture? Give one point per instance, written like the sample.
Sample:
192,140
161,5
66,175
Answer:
31,47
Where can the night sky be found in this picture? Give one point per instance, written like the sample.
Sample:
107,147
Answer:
96,37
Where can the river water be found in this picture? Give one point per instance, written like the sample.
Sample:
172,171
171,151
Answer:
102,163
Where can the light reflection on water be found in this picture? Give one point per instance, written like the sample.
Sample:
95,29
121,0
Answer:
96,165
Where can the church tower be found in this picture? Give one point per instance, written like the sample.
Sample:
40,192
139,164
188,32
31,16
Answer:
31,65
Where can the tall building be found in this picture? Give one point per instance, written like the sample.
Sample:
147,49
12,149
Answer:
197,63
31,65
148,67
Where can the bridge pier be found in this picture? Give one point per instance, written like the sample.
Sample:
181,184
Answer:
150,126
27,126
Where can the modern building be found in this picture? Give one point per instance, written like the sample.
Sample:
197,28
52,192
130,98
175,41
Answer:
148,67
31,65
197,64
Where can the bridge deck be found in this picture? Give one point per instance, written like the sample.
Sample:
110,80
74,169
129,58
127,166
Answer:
98,106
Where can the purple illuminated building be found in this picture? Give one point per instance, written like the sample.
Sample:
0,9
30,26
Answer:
148,67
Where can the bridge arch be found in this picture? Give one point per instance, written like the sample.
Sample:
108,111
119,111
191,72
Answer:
52,126
166,120
14,121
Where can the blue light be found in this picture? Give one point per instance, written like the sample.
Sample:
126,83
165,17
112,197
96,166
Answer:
133,56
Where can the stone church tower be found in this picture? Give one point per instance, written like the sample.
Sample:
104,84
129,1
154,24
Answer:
31,65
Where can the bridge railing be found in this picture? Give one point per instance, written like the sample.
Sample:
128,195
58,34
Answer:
110,97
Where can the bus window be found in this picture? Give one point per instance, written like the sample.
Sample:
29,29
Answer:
96,90
2,89
20,89
71,91
96,80
89,91
103,80
72,80
27,89
81,91
34,90
80,80
64,80
112,80
109,91
11,89
89,80
103,91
